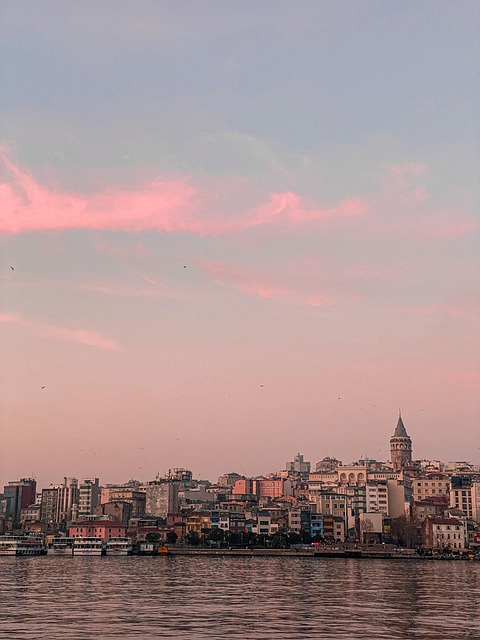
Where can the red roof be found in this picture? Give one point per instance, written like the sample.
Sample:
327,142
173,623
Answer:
98,523
444,521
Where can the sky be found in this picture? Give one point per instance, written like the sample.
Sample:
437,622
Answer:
232,231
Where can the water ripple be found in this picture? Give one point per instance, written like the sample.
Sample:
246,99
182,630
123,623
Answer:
248,598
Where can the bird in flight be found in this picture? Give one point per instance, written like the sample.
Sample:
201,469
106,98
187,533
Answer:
12,268
42,387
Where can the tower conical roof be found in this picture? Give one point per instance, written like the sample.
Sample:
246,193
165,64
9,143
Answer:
400,428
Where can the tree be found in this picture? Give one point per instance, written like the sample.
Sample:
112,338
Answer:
279,539
192,538
366,527
152,537
171,537
406,532
294,538
216,534
305,536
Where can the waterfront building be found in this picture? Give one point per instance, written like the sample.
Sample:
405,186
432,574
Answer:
299,519
104,529
370,527
316,525
333,528
265,524
400,447
444,533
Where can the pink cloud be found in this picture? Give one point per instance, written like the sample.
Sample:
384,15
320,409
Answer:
162,205
45,330
168,205
289,209
261,285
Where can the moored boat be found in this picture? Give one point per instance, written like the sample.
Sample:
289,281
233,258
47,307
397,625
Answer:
61,547
87,546
26,545
119,547
145,548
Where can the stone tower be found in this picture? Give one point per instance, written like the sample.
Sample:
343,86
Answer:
400,447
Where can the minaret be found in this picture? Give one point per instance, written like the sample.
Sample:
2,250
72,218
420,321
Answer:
400,446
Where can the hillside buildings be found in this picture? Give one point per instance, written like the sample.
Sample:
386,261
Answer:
424,503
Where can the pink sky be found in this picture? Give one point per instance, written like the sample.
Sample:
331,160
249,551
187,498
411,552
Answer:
230,235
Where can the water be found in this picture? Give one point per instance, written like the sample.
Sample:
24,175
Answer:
249,598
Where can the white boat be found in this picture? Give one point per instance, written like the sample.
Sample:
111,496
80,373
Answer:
146,548
88,547
61,547
119,547
22,545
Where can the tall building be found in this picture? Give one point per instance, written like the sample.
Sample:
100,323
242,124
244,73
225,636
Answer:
49,504
68,495
400,447
89,497
161,498
18,495
298,465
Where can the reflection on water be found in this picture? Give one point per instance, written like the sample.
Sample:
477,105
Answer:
250,598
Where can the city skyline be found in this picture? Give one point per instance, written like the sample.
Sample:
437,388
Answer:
142,474
234,231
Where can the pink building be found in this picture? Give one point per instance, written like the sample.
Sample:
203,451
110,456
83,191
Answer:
243,487
272,489
263,488
104,529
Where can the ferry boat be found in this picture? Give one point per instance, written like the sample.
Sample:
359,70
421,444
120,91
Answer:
119,547
22,545
61,547
87,546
